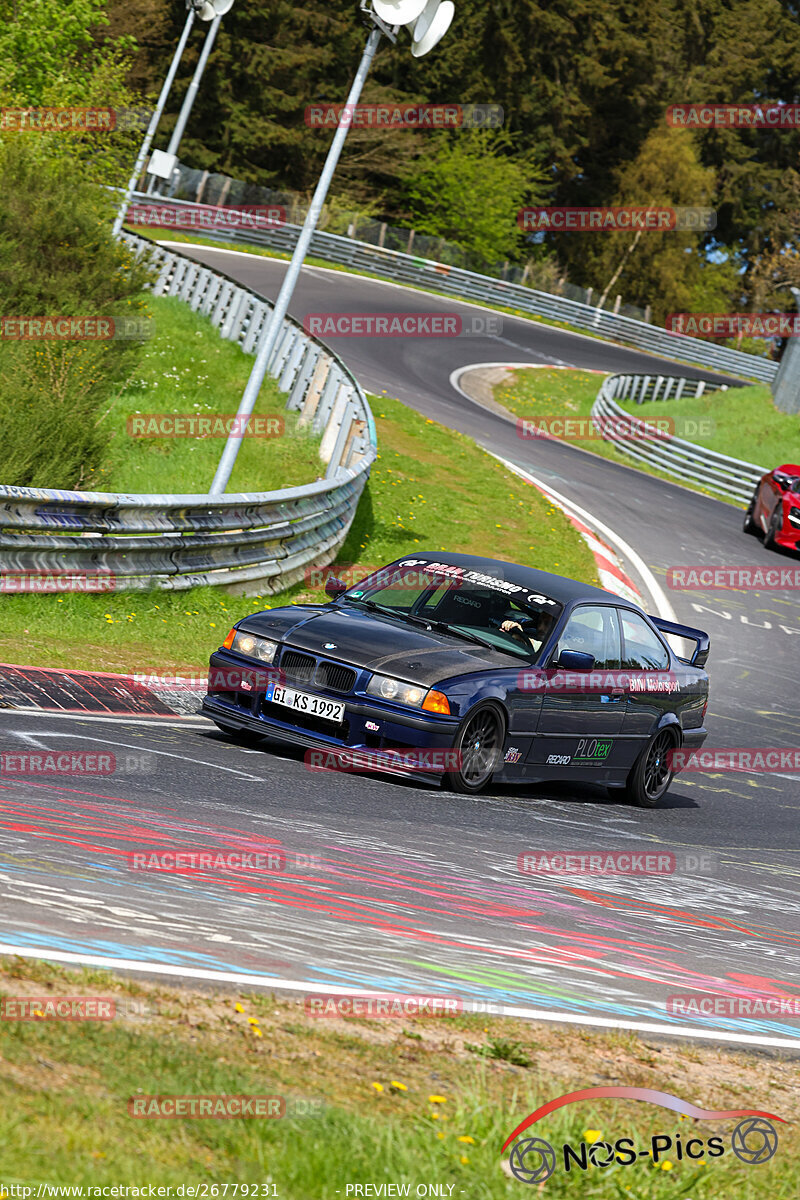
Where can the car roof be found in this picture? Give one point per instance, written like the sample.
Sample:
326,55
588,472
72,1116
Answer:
557,587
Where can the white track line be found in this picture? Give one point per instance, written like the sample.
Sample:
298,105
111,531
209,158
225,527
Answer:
314,987
175,722
455,376
657,594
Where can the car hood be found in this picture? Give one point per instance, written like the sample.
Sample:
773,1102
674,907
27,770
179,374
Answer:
381,644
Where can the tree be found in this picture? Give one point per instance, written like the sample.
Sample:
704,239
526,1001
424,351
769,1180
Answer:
52,54
469,190
659,268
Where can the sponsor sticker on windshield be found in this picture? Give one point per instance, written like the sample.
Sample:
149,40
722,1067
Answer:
479,579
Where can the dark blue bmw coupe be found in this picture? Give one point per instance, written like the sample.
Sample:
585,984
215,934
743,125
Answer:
491,670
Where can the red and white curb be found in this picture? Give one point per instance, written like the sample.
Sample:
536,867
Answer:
57,691
613,576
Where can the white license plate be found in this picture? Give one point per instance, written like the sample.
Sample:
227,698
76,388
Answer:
304,702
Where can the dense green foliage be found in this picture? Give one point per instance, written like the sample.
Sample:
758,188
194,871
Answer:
585,85
57,258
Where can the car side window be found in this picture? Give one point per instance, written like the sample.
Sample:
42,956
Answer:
642,650
593,629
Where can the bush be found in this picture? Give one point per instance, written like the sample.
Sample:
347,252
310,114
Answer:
57,258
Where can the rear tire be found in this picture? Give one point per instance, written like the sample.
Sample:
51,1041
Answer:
651,775
749,525
479,742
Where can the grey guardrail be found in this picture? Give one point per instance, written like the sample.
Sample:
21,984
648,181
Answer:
718,473
466,285
267,539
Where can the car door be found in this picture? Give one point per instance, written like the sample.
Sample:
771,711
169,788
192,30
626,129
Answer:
653,686
583,711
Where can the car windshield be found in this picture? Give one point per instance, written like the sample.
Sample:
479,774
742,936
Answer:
486,610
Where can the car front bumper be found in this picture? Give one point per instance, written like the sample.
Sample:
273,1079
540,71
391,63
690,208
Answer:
369,727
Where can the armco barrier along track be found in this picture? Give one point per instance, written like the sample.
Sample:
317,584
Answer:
262,540
454,281
693,464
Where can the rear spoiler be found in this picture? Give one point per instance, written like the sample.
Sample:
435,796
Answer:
701,640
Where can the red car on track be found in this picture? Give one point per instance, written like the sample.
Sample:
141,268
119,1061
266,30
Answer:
775,508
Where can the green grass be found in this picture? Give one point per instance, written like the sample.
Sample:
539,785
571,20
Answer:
65,1087
740,422
430,488
189,370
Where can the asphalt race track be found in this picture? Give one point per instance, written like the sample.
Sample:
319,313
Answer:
394,886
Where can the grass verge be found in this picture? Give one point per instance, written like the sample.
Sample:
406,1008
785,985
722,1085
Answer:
189,370
430,488
741,422
391,1101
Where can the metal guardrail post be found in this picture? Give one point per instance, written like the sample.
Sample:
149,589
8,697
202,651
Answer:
715,472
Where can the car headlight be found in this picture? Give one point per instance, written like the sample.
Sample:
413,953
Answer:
396,690
794,515
254,647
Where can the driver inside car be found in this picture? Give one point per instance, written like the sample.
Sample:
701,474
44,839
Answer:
533,629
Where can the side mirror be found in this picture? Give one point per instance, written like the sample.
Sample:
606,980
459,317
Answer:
334,587
575,660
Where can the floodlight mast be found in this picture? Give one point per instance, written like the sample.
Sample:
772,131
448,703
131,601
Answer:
156,117
386,17
220,8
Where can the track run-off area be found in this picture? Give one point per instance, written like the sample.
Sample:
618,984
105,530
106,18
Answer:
398,887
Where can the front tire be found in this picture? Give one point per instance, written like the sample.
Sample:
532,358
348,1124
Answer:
651,774
479,744
775,522
749,525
